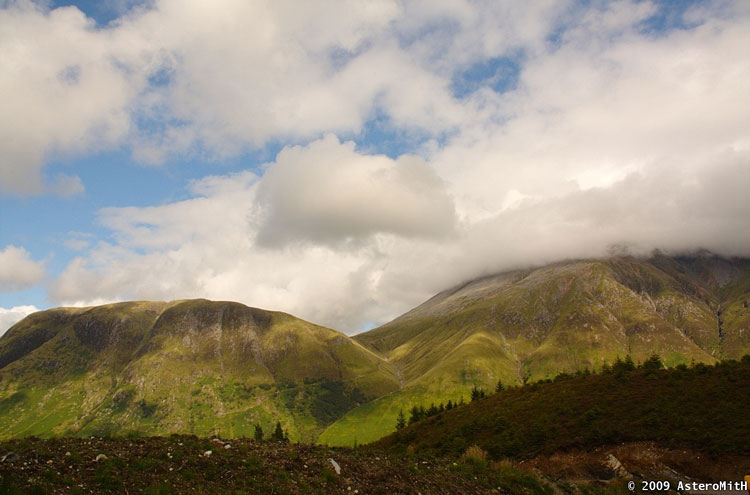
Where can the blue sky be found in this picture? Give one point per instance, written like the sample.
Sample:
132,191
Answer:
325,165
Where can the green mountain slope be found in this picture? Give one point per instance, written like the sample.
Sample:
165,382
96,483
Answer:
191,366
528,325
700,407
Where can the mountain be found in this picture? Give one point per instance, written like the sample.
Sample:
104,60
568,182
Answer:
191,366
527,325
203,367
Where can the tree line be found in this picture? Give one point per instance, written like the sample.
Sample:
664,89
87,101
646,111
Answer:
418,413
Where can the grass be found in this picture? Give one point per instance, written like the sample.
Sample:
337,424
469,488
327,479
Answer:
373,420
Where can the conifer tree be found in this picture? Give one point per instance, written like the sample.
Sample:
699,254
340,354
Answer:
449,405
258,435
652,363
499,387
629,362
474,393
278,433
400,420
477,393
414,415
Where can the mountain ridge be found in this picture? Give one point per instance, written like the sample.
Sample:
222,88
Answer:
220,367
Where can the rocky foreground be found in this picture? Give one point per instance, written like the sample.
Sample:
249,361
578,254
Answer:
188,464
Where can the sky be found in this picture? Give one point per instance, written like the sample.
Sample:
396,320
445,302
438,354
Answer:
344,161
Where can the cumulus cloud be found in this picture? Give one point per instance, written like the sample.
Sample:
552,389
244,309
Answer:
64,88
248,72
326,191
11,316
18,270
245,72
602,105
171,77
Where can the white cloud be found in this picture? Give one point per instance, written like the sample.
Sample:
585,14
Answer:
590,113
221,203
17,270
11,316
78,241
327,191
652,209
66,185
64,88
245,72
222,77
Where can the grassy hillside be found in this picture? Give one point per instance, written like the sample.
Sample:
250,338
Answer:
530,325
700,407
192,366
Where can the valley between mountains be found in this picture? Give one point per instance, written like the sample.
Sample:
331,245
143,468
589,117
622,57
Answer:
219,368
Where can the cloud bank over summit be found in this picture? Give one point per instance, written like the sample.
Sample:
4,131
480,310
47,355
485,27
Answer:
357,158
